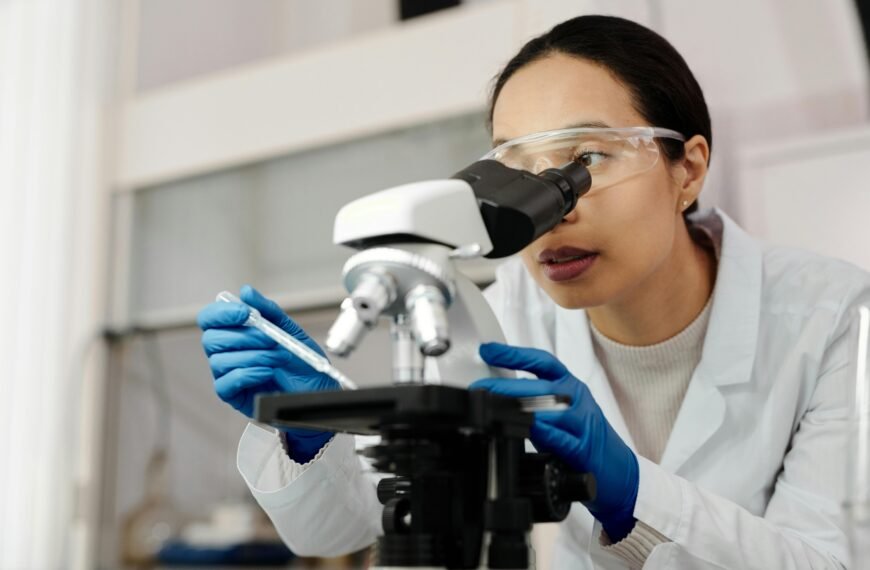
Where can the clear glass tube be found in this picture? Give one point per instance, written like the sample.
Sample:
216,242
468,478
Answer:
858,493
298,348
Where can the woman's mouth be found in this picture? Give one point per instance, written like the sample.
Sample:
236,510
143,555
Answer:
566,262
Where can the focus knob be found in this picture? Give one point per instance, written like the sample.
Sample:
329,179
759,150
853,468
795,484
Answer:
392,488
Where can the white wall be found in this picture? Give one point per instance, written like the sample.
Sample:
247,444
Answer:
393,78
812,192
180,40
771,70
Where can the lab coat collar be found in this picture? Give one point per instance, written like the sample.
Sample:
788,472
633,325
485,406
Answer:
732,334
727,357
729,345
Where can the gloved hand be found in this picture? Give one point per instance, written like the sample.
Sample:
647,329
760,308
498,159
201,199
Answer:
580,435
245,362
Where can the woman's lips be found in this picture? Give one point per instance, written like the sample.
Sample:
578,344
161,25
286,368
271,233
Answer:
566,262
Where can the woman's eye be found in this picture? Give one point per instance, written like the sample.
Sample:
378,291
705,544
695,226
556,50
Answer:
590,158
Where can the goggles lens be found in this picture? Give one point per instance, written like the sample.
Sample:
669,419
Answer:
611,155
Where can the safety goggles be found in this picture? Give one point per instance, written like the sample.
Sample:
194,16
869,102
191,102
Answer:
611,155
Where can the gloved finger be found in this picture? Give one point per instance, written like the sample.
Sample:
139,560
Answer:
270,309
550,439
222,315
232,339
303,379
562,420
539,362
236,381
514,387
222,363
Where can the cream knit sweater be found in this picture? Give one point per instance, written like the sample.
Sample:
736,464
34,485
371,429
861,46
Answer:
649,382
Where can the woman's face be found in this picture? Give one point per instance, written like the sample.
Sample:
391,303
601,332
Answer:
630,228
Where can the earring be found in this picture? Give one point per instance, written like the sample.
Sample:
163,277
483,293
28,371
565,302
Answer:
685,203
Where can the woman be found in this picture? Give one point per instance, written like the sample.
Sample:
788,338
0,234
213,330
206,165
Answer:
707,372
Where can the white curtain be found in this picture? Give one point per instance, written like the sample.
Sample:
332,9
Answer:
52,206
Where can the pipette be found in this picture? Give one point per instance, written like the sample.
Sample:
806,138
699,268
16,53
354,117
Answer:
308,355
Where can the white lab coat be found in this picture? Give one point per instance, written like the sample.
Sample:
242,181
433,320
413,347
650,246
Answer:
753,473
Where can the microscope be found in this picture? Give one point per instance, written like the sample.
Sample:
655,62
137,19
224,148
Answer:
464,493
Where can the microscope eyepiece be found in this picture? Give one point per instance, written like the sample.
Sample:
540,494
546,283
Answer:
572,179
518,206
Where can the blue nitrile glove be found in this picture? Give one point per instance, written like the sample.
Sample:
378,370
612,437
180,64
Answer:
245,362
580,436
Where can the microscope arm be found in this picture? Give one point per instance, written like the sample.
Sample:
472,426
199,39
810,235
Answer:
472,322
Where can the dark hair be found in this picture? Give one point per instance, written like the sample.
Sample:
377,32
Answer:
663,89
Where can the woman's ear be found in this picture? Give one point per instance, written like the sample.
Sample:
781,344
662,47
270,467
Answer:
694,166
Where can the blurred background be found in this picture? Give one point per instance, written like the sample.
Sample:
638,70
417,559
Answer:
155,152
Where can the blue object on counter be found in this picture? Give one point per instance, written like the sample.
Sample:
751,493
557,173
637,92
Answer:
261,553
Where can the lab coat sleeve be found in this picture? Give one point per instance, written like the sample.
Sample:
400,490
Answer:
709,532
327,507
803,524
